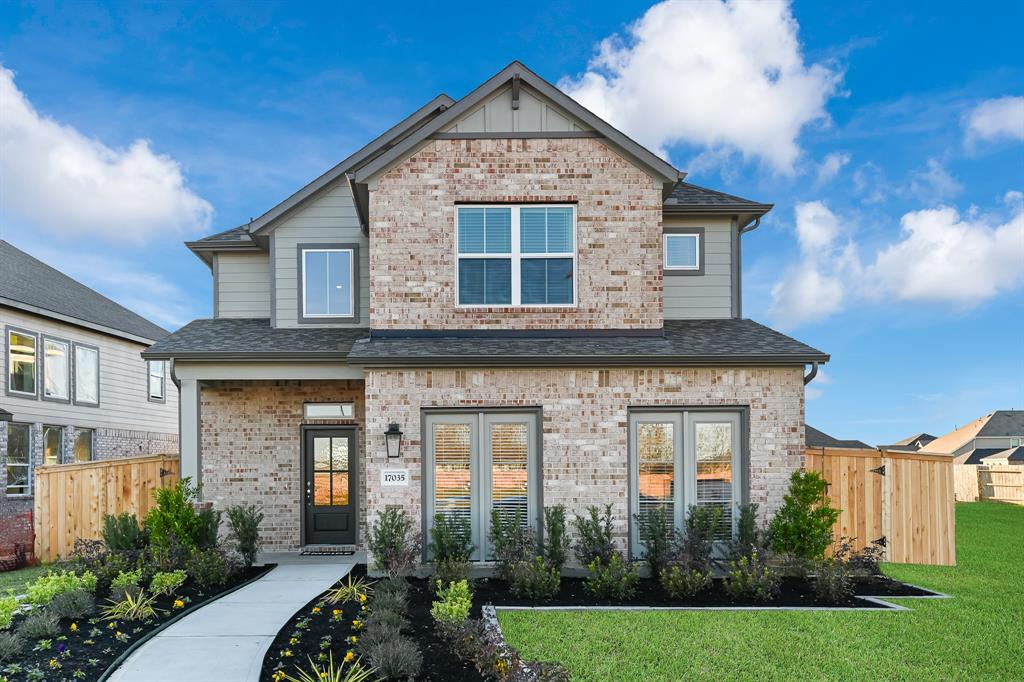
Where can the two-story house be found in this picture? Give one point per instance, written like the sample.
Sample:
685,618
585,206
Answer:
996,438
501,302
74,387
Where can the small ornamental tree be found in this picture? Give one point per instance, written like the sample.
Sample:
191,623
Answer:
803,525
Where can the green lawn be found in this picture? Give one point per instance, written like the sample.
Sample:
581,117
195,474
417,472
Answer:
978,635
16,580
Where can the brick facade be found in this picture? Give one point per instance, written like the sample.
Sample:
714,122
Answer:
412,233
585,428
250,445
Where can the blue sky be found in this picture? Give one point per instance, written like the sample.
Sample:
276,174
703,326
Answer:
890,137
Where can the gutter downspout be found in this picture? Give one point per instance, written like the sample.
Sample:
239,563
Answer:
751,227
809,377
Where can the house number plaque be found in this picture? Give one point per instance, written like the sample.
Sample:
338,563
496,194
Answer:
394,477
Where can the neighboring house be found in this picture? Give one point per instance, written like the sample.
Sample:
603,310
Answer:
994,438
913,443
500,303
820,439
74,385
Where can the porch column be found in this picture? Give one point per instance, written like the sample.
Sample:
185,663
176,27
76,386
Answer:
188,431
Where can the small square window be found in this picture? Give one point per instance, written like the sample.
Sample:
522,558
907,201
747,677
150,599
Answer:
682,251
329,276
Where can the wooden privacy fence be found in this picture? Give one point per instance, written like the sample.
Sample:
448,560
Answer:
72,499
965,482
1001,483
903,499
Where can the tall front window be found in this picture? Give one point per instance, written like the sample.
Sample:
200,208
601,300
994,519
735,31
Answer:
53,444
479,462
157,379
328,283
84,443
19,459
685,458
56,369
516,255
87,375
21,362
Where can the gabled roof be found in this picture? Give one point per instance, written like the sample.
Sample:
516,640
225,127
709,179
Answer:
647,159
923,438
977,455
253,338
820,439
998,424
1012,455
29,284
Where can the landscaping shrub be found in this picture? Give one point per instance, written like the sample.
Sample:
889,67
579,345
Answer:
615,580
351,590
207,527
392,597
166,582
658,536
450,538
750,577
594,539
244,527
133,606
209,567
329,671
382,629
11,645
385,619
867,561
535,579
395,587
749,536
555,547
169,557
39,624
122,533
396,659
450,571
698,541
394,545
8,607
174,516
683,583
451,609
46,587
127,579
803,525
74,604
832,581
511,540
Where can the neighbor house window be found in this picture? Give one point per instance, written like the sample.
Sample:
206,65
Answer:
19,459
87,375
56,369
328,282
21,362
516,255
682,251
684,458
53,444
157,379
478,463
84,443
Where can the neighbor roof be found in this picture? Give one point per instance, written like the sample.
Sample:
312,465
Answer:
981,453
998,424
820,439
683,343
253,338
924,438
1011,454
29,284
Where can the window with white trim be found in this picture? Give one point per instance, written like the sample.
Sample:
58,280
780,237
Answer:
511,255
19,459
87,375
682,251
56,369
157,371
21,362
328,283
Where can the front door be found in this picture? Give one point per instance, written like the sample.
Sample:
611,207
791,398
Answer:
329,469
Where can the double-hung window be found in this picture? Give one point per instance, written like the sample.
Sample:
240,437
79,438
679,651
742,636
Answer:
328,274
21,362
479,462
19,459
56,369
157,379
683,251
87,374
683,458
511,255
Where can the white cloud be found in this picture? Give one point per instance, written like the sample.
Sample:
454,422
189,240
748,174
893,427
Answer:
929,184
995,119
940,257
830,166
933,183
719,75
63,182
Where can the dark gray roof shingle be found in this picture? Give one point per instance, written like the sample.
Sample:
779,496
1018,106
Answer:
1004,423
235,234
253,338
29,281
687,195
820,439
684,342
981,453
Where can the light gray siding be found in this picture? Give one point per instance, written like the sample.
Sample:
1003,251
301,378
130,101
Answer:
535,114
124,402
330,218
709,295
242,282
986,442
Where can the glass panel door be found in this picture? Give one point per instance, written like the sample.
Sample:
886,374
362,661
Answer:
716,461
508,458
656,445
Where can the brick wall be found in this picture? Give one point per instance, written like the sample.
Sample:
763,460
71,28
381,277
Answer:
250,445
585,424
412,223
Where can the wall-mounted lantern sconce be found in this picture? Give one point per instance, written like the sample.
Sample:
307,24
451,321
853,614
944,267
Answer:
393,437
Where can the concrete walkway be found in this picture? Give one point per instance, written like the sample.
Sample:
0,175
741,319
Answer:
225,641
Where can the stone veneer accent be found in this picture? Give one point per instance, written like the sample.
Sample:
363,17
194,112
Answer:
585,430
250,447
413,241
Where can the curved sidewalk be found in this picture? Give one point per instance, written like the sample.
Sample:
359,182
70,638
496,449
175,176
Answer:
225,641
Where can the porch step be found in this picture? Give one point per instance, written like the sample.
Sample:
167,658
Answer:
328,550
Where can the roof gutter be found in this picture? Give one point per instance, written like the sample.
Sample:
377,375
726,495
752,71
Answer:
585,361
751,227
809,377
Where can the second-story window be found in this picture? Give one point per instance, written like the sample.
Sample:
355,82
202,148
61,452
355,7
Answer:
157,379
21,363
87,375
56,369
682,251
516,255
328,283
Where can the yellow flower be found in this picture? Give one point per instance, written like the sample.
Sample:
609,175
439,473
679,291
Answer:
316,609
279,675
286,653
111,625
336,612
349,657
178,603
363,608
293,641
362,598
74,627
353,639
357,624
54,663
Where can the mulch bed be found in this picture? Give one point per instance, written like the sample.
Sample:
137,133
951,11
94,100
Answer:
85,652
